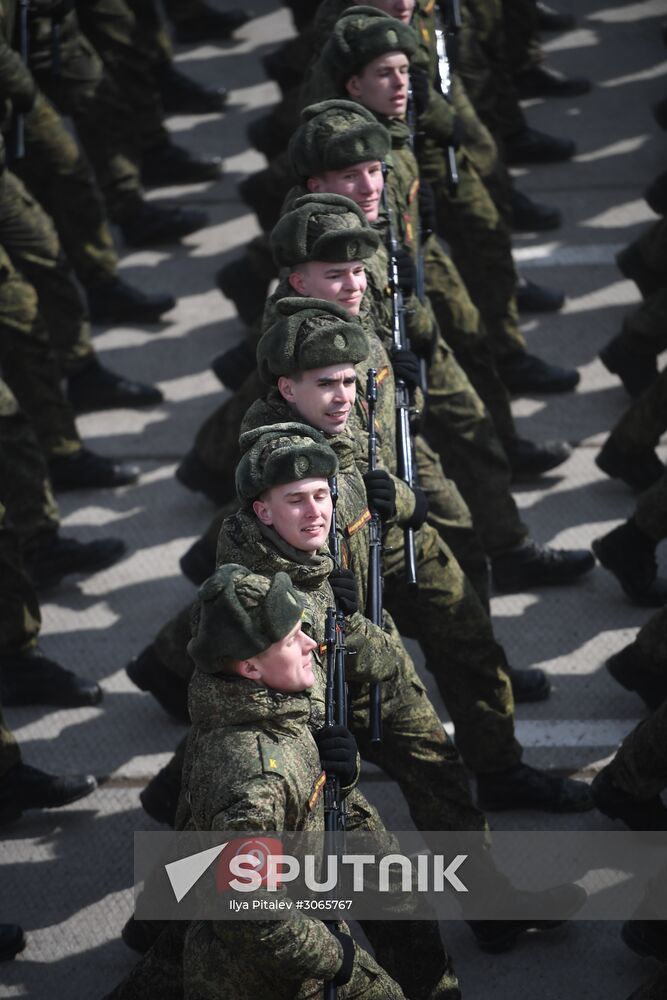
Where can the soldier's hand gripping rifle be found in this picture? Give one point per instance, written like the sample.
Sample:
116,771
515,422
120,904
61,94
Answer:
374,596
444,26
405,457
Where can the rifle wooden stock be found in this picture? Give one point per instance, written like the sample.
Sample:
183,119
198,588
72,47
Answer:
374,596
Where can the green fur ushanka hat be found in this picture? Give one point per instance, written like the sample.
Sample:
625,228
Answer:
240,614
309,333
279,454
326,227
335,135
360,35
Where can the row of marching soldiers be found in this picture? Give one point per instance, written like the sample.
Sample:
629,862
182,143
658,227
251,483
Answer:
372,447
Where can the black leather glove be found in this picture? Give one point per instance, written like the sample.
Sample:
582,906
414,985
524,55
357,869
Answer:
381,493
407,275
428,218
344,585
421,509
344,974
235,365
338,752
55,9
421,89
406,367
458,132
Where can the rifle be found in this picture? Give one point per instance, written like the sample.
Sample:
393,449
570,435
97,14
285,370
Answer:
374,597
406,465
340,683
335,711
19,118
450,24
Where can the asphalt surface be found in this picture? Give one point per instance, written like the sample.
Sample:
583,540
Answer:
66,875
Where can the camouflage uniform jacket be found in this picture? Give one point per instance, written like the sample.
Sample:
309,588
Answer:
16,80
252,765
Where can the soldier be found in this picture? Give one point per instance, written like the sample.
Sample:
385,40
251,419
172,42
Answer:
641,666
629,550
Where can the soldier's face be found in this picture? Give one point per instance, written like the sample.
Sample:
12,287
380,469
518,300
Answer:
286,665
400,9
382,87
362,182
300,512
341,283
322,397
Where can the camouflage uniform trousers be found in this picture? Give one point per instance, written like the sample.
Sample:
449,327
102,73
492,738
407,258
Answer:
84,91
57,173
651,247
459,429
447,619
640,764
645,328
29,237
29,364
483,65
651,511
25,487
481,247
521,34
127,45
643,423
20,618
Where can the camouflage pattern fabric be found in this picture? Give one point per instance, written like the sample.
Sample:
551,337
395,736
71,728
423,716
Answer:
651,640
29,237
645,328
651,512
20,618
29,365
25,488
640,764
645,421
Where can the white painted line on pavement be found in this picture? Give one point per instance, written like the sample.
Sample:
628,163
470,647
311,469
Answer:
552,255
569,732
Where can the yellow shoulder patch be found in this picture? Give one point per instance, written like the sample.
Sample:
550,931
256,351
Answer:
318,788
352,529
382,375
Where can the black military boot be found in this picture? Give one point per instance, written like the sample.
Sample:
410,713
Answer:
24,787
280,68
12,941
528,685
84,470
549,19
239,282
197,477
629,668
636,371
32,679
524,787
149,673
524,372
96,388
160,797
211,25
56,557
637,814
531,297
116,301
630,555
656,193
147,224
530,216
170,164
198,563
647,938
528,145
545,81
140,935
638,469
496,936
180,94
235,365
529,459
632,266
267,136
532,565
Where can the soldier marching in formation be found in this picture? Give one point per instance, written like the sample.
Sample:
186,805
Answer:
368,425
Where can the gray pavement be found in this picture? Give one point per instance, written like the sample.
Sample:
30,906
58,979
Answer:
66,875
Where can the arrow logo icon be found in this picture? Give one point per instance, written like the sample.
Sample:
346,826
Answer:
185,873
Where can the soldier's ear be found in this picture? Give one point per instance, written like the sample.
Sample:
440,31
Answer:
249,669
315,185
262,512
295,279
353,87
286,388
